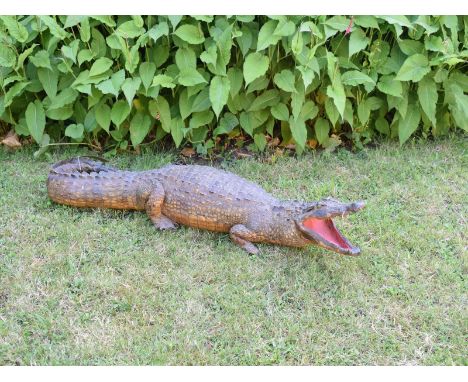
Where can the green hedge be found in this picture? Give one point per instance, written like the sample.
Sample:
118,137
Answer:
118,81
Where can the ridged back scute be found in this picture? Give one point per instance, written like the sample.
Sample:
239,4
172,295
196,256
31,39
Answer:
80,165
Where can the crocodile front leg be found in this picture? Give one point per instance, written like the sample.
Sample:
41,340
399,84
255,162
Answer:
243,237
153,208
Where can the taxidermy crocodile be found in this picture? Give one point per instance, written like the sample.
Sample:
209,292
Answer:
203,197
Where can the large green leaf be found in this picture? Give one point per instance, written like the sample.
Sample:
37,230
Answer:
130,87
202,101
190,77
245,40
297,101
398,20
357,41
458,104
264,100
266,36
322,128
308,111
175,20
332,111
159,30
261,83
363,112
280,111
164,81
7,56
177,132
65,97
246,122
338,95
260,141
297,43
41,59
107,20
103,116
101,65
381,124
85,30
427,93
35,120
410,47
339,23
235,79
298,131
201,119
307,74
228,122
129,29
147,70
185,58
335,90
54,27
285,80
355,77
17,30
159,109
408,125
388,85
285,28
113,84
366,21
120,111
84,55
255,65
210,56
139,128
414,68
70,51
219,92
60,114
75,131
13,92
190,33
49,80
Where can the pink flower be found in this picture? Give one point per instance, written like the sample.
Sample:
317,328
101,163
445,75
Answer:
348,30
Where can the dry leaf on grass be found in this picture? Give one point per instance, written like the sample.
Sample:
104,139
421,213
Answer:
274,142
188,152
11,140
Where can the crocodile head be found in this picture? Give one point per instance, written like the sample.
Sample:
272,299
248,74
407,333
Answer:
315,222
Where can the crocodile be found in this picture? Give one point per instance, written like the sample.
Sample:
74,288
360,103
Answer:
203,197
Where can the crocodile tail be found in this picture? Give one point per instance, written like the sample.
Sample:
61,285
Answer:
83,182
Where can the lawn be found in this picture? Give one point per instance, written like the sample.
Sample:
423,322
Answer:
104,287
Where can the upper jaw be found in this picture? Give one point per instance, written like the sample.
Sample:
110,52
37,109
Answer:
330,208
317,225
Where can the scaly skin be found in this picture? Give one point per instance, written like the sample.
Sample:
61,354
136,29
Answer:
197,196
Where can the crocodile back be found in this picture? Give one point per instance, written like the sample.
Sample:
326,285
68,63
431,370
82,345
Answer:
209,198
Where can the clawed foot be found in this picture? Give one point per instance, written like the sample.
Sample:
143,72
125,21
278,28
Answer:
250,248
241,235
164,223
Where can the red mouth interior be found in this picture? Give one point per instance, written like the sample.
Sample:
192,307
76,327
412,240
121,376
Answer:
326,229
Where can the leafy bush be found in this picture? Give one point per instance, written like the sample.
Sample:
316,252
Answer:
114,81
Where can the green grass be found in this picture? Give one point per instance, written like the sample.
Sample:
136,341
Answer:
104,287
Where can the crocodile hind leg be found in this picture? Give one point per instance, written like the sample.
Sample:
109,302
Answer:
243,237
153,208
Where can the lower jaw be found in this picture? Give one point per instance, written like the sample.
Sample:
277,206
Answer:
326,235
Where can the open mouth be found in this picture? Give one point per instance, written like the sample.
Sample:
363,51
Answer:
317,225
